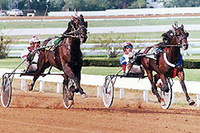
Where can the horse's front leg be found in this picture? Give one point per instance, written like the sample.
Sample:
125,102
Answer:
182,82
68,71
156,78
67,86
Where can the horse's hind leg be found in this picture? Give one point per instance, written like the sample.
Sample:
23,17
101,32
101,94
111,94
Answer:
182,82
156,78
41,66
154,88
36,76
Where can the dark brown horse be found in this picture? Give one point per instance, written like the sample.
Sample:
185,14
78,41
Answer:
66,55
169,61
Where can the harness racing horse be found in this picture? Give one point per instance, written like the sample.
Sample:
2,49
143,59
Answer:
169,63
65,56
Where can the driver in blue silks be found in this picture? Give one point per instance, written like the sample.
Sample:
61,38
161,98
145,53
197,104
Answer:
128,58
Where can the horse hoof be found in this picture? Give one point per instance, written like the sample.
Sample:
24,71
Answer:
153,91
162,102
30,88
191,102
71,102
159,85
84,95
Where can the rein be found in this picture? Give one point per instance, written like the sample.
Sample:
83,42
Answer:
170,46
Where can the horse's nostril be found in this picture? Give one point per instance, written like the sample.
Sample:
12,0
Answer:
185,46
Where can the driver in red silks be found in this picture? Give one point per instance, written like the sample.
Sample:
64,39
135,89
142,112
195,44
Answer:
31,55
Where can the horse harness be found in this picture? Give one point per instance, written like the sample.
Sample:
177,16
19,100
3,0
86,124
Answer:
175,65
57,43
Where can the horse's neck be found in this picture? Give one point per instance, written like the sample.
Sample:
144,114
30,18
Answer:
75,44
74,47
173,53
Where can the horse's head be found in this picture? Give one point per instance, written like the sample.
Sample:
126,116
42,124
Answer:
181,35
79,27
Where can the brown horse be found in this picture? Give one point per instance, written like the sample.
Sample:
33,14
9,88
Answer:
66,55
169,61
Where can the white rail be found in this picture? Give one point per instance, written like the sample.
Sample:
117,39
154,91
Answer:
122,83
16,49
143,11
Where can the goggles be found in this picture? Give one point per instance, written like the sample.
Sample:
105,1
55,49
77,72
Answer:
127,47
36,42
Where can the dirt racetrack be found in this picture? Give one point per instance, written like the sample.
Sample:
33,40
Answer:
32,112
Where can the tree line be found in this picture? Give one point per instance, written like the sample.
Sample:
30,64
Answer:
90,5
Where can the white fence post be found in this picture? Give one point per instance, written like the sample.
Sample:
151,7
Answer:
42,86
198,99
145,95
173,97
121,93
59,87
23,84
99,91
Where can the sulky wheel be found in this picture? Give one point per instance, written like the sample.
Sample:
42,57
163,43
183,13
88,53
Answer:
68,94
108,92
6,90
166,97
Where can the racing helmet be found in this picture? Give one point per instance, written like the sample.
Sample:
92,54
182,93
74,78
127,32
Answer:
126,44
34,39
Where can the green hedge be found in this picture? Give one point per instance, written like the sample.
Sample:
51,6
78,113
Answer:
192,63
188,63
111,62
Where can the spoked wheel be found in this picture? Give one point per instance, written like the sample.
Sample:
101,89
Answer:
6,90
166,97
108,92
68,94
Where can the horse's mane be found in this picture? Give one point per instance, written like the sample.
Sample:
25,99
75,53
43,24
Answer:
167,37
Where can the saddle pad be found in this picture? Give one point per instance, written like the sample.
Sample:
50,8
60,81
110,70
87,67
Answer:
151,54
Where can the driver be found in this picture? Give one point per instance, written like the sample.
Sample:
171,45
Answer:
30,54
128,58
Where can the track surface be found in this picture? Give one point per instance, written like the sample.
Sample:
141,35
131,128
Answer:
43,113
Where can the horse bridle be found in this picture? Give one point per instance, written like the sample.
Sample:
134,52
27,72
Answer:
180,40
77,32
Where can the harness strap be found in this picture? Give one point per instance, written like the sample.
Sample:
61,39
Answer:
169,63
173,65
45,56
175,72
